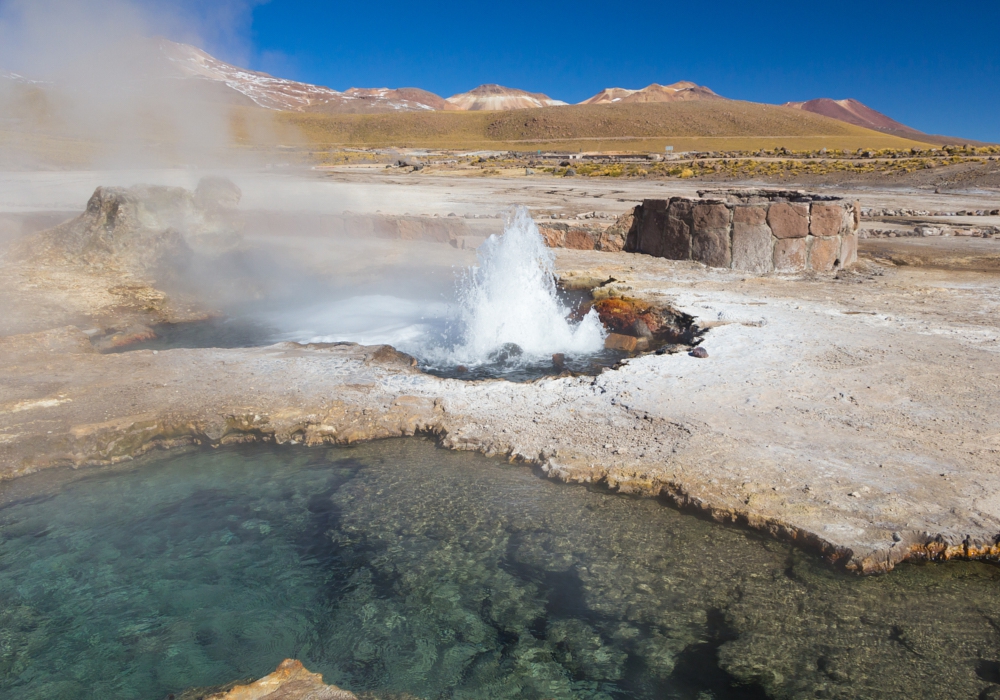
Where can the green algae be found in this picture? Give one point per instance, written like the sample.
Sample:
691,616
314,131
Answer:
396,567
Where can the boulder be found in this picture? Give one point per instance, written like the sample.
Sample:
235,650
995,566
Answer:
578,239
427,229
617,341
217,193
560,235
554,237
788,220
790,254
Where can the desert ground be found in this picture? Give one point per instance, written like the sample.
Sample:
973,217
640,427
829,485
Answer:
852,412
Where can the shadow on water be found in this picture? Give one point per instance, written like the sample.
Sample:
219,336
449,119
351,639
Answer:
396,568
697,673
222,332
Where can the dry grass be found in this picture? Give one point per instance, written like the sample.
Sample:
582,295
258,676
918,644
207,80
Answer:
258,135
708,126
21,149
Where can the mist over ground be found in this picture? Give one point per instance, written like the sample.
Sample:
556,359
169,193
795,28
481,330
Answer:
87,83
89,99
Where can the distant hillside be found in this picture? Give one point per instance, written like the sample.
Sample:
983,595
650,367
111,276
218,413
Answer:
499,98
181,105
280,94
859,114
707,125
853,112
683,91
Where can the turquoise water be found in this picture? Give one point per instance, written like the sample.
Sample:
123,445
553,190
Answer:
396,567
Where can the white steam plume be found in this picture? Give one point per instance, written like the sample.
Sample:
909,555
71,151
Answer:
106,86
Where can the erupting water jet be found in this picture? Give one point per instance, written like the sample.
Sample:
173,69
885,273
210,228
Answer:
510,300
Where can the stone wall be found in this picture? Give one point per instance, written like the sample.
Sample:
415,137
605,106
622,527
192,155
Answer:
752,230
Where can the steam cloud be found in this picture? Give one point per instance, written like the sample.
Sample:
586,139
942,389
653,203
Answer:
105,90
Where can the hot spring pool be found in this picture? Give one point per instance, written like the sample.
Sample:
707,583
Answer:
397,567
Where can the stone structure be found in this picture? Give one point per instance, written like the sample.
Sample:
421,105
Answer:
753,230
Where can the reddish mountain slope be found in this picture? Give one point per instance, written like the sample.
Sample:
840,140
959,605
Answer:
853,112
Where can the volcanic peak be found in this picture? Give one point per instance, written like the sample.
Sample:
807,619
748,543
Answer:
491,97
681,91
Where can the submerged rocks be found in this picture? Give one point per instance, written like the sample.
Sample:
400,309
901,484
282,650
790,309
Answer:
505,354
125,337
291,681
625,343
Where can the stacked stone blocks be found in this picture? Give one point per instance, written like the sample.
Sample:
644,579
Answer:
754,231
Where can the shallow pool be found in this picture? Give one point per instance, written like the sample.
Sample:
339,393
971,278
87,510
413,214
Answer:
396,567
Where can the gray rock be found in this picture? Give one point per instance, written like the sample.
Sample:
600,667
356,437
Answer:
710,234
641,330
752,242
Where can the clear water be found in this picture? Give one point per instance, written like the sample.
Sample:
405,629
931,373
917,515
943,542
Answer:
396,567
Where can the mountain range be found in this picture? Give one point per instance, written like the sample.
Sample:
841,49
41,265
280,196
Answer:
277,93
181,72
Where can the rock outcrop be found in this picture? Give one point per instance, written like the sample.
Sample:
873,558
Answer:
143,230
756,231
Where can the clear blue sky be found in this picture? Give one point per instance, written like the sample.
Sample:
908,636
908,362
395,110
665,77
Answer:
932,65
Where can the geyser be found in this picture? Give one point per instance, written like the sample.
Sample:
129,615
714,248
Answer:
510,299
507,318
